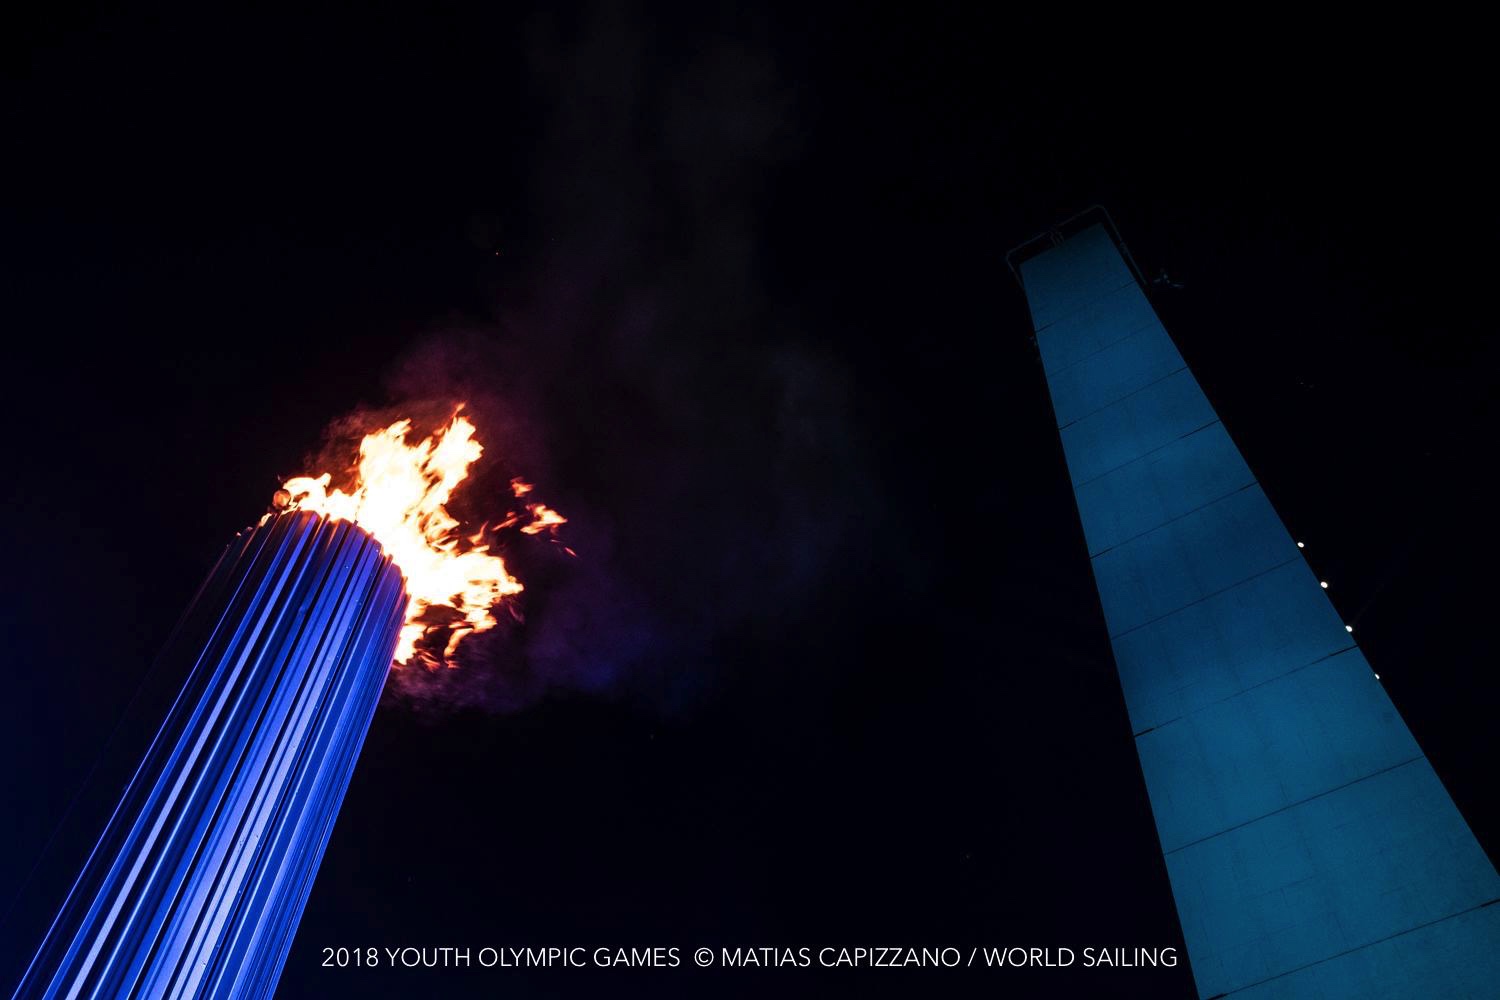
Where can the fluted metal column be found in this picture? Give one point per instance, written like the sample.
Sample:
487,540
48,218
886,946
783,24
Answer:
196,886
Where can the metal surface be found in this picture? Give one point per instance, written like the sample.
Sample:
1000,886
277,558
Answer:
198,882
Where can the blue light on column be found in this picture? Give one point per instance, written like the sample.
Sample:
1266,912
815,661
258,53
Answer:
198,882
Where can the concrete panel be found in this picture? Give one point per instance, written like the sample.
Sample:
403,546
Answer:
1084,268
1145,356
1457,953
1331,875
1187,474
1247,635
1093,327
1268,748
1191,558
1135,426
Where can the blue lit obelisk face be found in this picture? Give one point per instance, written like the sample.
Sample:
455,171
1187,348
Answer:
196,887
1312,850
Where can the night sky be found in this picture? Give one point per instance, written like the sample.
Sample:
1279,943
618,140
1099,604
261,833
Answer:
729,286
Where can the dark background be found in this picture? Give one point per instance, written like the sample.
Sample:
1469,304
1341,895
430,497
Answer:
829,669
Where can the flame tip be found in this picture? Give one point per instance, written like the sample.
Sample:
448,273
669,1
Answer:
399,496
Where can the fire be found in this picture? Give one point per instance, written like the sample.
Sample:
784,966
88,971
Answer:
399,495
544,518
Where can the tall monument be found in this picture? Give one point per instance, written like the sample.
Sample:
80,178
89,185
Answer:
196,886
1311,848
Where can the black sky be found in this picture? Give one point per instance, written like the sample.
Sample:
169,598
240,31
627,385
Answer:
830,667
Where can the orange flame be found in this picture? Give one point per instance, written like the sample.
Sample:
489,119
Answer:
399,496
544,518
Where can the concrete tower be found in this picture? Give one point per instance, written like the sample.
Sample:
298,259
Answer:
1312,850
